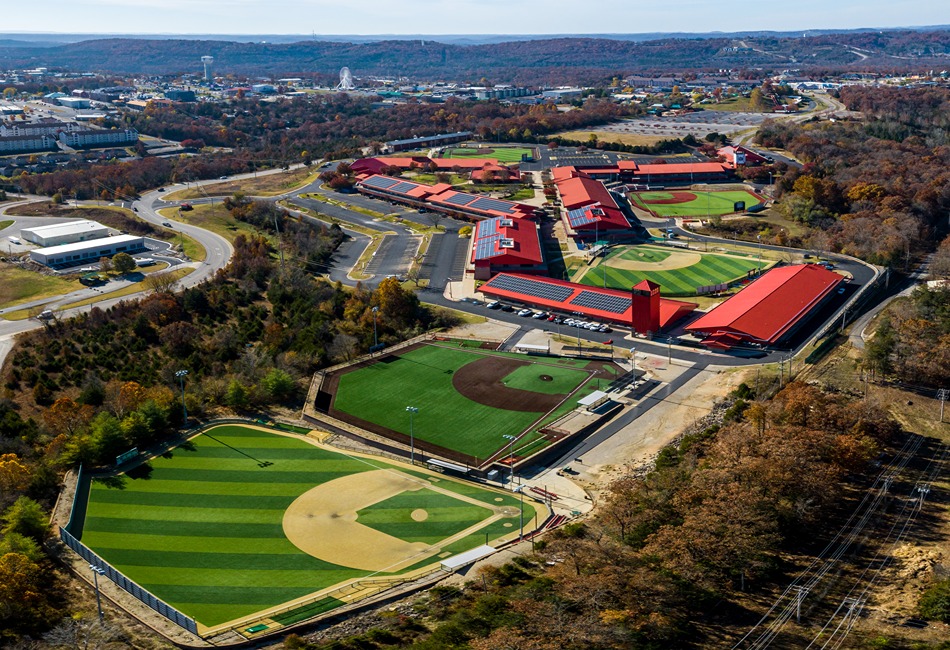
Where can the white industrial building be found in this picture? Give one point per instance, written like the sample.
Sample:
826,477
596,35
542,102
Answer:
88,251
64,233
74,102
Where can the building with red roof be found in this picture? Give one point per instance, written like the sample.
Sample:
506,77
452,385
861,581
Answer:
739,155
506,244
657,174
590,210
378,164
770,309
641,308
476,206
443,198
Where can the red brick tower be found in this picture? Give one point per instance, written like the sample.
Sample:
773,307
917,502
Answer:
645,315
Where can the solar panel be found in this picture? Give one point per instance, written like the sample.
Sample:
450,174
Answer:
381,182
403,187
601,302
460,199
485,248
535,288
488,227
581,216
493,204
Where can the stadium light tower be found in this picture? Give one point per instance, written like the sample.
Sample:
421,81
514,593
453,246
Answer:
181,374
511,458
412,410
96,572
206,61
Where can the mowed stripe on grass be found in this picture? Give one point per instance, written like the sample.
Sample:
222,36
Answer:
202,530
214,586
711,269
711,203
422,378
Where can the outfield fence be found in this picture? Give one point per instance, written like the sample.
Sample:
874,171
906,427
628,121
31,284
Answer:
98,564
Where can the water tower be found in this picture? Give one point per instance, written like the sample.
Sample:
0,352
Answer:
207,61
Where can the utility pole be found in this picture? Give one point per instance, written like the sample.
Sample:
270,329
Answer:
942,396
800,593
280,248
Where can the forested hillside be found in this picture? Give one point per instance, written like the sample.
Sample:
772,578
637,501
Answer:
553,61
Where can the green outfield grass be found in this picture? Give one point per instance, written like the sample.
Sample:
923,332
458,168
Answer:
447,516
713,203
501,154
201,527
712,268
446,417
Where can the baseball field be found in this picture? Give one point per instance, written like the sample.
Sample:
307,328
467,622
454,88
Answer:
468,400
240,521
678,272
501,154
690,203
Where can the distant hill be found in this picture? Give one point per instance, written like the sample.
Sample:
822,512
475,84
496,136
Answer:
521,61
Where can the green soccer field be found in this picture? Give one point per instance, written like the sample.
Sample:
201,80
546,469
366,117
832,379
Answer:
501,154
423,378
713,203
700,269
202,527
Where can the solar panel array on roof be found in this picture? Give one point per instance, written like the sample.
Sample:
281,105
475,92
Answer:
460,199
381,182
613,304
531,287
493,204
581,216
485,248
488,227
403,187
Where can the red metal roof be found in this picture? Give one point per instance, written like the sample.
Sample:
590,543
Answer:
580,191
681,168
377,163
670,310
506,241
769,307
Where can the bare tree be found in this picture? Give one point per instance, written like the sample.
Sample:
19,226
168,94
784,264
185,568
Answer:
161,282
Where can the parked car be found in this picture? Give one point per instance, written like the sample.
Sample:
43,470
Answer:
540,315
525,312
508,308
568,321
494,304
604,329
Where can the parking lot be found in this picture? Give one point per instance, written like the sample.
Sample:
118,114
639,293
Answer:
697,124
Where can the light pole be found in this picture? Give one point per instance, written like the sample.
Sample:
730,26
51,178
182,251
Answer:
96,572
521,534
511,458
181,374
412,410
375,336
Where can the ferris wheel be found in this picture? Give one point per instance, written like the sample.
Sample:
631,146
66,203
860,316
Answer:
346,80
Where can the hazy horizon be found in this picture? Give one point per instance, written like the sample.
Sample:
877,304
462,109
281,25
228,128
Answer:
375,18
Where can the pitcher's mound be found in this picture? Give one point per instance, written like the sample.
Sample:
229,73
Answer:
419,515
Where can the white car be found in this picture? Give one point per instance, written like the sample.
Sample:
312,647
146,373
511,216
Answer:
14,240
525,312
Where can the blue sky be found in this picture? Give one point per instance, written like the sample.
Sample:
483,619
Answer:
462,16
